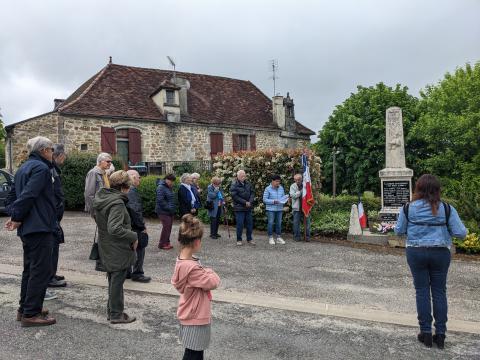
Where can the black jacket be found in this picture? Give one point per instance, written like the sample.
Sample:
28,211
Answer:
34,206
165,204
58,190
135,209
184,200
242,193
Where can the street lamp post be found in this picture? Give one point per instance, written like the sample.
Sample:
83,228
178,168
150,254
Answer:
334,174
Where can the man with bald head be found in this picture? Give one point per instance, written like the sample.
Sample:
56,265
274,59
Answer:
243,195
135,209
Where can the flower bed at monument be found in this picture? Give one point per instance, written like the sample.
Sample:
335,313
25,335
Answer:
471,244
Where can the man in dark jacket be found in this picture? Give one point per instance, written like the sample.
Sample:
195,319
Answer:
33,214
165,209
243,196
135,209
58,159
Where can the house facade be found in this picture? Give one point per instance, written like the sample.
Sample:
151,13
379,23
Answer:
153,116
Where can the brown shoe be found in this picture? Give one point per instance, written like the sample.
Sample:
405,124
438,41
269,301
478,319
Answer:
124,319
19,314
37,320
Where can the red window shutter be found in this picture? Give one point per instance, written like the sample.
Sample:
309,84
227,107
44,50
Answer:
216,143
235,142
134,146
108,140
253,142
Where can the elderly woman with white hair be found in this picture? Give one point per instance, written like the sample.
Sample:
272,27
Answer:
33,214
97,178
188,198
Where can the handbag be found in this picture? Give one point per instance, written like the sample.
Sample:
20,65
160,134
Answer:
209,205
94,254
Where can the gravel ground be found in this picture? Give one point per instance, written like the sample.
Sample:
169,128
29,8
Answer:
323,272
238,332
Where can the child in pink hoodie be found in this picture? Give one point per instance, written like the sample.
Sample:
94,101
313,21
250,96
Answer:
194,283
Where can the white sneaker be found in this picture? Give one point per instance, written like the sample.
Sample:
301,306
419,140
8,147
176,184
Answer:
271,241
280,241
49,295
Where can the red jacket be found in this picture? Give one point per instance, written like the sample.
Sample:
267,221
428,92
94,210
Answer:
194,283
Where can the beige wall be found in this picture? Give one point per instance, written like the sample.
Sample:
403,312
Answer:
160,141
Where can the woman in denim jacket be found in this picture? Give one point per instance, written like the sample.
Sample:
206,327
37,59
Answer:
429,232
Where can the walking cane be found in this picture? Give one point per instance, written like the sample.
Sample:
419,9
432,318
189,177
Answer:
226,220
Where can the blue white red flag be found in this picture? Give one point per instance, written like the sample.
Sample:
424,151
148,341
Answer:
362,217
307,195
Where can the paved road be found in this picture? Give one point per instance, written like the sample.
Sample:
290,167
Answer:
239,332
311,271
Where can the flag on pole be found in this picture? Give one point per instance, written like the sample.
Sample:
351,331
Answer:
362,217
307,194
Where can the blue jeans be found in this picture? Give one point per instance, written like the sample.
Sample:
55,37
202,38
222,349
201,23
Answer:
429,267
274,217
244,218
297,220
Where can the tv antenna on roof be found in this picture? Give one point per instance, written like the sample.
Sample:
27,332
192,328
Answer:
274,66
173,64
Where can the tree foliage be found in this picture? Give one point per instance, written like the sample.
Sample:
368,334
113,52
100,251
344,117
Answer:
449,125
357,129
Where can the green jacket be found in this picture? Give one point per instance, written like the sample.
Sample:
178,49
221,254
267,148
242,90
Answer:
115,236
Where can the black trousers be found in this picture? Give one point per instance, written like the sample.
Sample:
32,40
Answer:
55,251
215,223
138,266
37,271
192,355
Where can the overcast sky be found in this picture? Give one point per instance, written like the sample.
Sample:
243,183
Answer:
324,48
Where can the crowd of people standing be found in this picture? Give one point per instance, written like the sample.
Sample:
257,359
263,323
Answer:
36,207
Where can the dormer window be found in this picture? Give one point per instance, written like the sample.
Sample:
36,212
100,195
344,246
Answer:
170,97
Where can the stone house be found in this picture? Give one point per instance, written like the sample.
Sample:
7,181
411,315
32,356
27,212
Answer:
155,116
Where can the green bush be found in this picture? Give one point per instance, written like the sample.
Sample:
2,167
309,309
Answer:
74,171
182,168
330,222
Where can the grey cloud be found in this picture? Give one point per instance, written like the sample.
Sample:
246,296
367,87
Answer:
324,48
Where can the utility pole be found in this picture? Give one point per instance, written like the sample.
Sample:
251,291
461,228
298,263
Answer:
334,173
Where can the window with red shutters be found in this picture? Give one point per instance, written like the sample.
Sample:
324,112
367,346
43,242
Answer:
134,146
216,144
108,140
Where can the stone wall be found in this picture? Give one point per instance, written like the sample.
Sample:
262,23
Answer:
160,141
44,125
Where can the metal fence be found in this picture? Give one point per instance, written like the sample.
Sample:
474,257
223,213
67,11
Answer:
178,167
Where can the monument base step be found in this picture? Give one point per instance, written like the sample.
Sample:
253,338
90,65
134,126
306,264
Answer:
378,239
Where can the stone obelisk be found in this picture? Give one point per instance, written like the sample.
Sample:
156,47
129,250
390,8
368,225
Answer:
396,178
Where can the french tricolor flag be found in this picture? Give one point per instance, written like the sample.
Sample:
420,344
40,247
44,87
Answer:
307,194
362,217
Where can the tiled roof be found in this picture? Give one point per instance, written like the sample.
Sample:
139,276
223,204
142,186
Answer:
124,91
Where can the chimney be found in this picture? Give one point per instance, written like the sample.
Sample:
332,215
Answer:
278,112
57,103
184,85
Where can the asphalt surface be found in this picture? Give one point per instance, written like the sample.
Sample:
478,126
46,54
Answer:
315,271
238,332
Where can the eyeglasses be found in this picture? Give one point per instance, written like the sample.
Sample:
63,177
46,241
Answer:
51,149
108,161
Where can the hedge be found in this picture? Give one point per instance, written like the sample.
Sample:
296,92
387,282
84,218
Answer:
74,171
